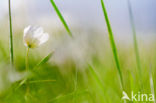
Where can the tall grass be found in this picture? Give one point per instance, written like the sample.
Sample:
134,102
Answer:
70,34
47,83
11,34
135,42
93,72
112,42
61,17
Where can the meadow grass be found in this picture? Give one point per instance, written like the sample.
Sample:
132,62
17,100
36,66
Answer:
96,82
74,94
93,72
49,83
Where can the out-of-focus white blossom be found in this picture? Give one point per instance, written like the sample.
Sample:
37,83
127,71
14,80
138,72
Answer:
34,36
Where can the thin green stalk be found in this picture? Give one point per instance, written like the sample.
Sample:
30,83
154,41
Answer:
98,80
27,70
61,17
112,42
27,61
41,81
96,77
69,96
75,84
11,37
76,70
135,41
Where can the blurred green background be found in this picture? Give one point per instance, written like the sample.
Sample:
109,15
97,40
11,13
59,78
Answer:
66,77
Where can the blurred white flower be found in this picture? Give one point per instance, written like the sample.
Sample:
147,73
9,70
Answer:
34,36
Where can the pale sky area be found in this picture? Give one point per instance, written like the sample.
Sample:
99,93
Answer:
87,13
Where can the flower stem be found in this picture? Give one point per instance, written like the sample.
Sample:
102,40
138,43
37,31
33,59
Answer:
11,37
27,70
27,61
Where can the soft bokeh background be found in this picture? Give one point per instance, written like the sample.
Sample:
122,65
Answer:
85,14
90,45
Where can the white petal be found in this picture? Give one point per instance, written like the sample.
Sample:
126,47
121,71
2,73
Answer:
44,38
39,30
34,36
26,30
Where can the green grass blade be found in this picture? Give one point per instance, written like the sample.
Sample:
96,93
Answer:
61,17
96,77
11,34
135,42
69,96
134,36
41,81
98,80
21,83
111,37
45,59
32,82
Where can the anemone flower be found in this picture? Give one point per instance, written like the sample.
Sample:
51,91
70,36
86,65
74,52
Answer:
34,36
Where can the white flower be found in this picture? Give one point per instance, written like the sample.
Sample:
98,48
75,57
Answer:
34,36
